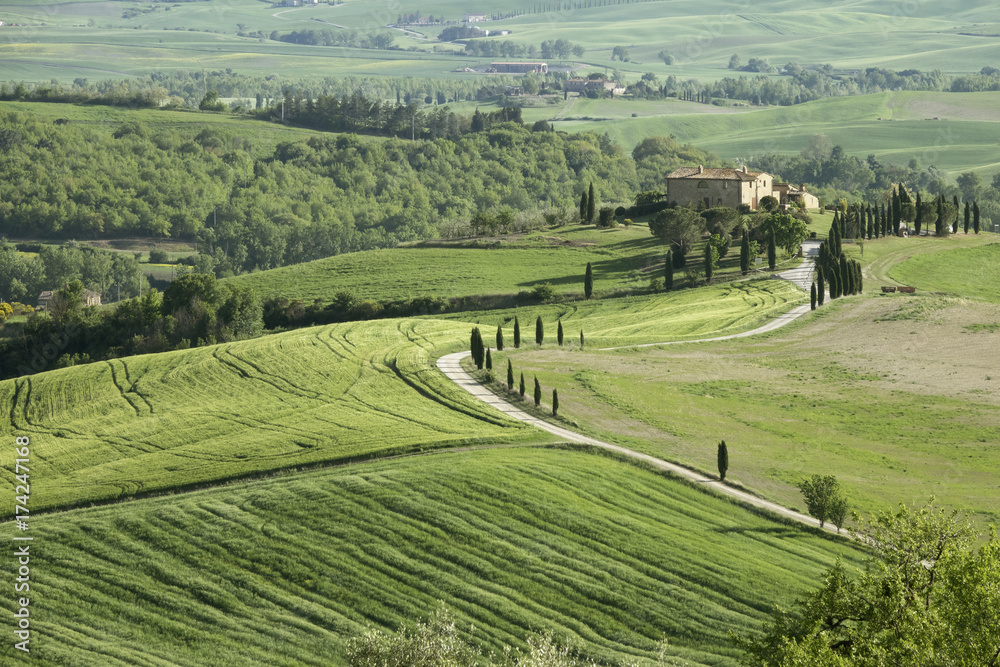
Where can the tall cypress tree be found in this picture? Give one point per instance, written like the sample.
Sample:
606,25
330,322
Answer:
871,223
517,333
722,457
772,251
559,333
958,207
919,220
520,389
812,297
538,393
588,281
968,215
975,216
820,287
499,339
845,276
539,331
555,402
583,206
668,272
510,376
939,225
745,253
591,203
708,263
834,285
489,361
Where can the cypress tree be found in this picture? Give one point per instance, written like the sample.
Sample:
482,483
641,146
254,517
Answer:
708,262
897,213
668,272
919,220
812,297
591,203
723,459
559,333
975,216
820,287
834,285
499,339
478,353
588,281
489,361
940,211
581,339
517,333
538,393
555,402
871,223
958,207
859,277
510,376
845,276
521,388
968,215
583,206
745,253
539,331
772,251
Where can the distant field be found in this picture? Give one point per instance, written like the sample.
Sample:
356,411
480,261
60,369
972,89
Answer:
606,554
965,273
69,39
111,430
889,393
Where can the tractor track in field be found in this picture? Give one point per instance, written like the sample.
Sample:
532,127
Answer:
450,365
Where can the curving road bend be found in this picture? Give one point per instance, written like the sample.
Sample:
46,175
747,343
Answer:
450,365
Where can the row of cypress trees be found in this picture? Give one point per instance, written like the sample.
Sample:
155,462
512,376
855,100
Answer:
539,335
833,269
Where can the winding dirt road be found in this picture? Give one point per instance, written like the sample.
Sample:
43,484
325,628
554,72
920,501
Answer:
450,365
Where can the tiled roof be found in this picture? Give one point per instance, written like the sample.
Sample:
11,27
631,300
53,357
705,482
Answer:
715,174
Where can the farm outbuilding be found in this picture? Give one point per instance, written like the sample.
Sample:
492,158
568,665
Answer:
520,68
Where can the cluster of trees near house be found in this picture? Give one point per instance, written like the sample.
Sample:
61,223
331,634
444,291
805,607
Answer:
549,49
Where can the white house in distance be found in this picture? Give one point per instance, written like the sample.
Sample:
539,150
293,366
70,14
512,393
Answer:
473,18
732,188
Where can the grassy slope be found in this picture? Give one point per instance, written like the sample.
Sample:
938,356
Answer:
820,396
557,256
961,272
110,430
282,572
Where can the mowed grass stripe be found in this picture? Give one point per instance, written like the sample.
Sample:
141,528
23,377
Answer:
244,408
281,572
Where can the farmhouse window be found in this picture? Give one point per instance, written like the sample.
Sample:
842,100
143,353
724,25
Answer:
702,184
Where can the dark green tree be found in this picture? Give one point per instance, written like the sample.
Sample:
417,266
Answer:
559,333
772,252
588,281
591,203
510,376
499,339
918,220
812,297
489,361
583,206
709,262
538,392
968,216
834,285
845,276
975,216
745,253
820,287
517,333
477,348
520,389
939,225
958,207
668,272
555,402
539,331
722,455
581,339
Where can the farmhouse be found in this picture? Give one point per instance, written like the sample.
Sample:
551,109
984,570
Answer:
519,68
90,298
732,188
473,18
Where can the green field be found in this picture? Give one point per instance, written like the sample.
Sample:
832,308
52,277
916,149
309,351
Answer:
969,274
608,555
112,430
69,39
821,396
